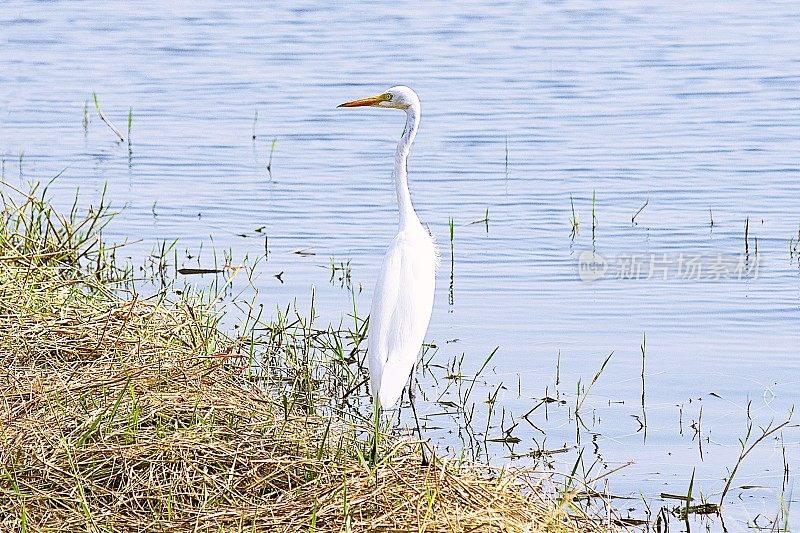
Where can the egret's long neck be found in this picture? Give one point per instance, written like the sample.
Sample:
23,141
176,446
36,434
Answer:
407,213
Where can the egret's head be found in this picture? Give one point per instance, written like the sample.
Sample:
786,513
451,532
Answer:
398,97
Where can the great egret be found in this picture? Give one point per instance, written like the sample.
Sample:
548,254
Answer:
403,297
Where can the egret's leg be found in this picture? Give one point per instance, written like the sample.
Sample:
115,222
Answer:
411,396
396,423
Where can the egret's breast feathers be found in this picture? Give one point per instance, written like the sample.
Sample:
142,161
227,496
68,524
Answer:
437,254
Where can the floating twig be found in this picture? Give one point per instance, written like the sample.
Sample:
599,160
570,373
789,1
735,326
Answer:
633,218
105,119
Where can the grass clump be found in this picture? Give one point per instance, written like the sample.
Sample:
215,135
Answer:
124,413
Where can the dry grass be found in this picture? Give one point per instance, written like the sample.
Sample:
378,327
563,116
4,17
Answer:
136,415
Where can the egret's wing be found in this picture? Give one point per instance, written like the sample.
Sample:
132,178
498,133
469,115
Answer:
384,300
401,310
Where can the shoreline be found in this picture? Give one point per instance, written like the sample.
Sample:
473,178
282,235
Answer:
135,413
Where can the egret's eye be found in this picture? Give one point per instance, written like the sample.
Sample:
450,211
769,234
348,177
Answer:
389,97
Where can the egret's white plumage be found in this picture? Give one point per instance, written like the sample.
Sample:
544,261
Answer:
403,297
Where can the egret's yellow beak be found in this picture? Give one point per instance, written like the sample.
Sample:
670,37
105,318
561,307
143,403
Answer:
372,101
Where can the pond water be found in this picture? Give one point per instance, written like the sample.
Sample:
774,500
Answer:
664,129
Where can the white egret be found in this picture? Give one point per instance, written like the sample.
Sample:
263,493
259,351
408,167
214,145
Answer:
403,297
